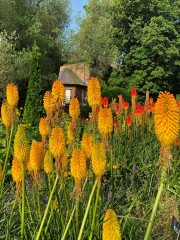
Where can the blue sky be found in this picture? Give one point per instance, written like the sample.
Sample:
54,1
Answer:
77,6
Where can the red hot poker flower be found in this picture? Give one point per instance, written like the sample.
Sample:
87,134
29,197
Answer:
133,92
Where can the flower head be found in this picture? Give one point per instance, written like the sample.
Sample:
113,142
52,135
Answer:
78,164
21,144
16,170
133,92
43,127
166,118
5,115
87,142
57,142
111,227
12,95
104,101
48,168
94,92
58,91
74,108
99,159
105,121
36,156
48,101
129,119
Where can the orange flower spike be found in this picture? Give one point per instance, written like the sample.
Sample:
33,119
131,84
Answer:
5,115
129,119
12,95
36,156
57,142
111,227
133,92
48,168
151,100
105,121
58,91
21,144
166,118
87,142
43,127
125,105
16,171
78,164
74,108
116,124
105,102
94,93
99,160
48,101
117,108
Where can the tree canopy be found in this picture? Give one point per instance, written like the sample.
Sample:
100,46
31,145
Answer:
43,21
141,37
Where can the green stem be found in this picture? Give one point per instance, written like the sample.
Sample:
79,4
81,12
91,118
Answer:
94,212
87,210
23,201
158,196
68,224
6,162
47,208
9,222
77,215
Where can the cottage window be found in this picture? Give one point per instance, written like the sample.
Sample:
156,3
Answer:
68,95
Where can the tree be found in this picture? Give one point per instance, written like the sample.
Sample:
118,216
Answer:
33,104
14,66
43,21
93,43
148,40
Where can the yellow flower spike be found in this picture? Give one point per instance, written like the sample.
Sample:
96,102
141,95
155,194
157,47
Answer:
21,144
87,142
48,168
28,164
58,91
74,108
166,118
99,160
111,227
94,92
5,115
78,170
48,101
43,127
16,171
36,156
105,121
78,164
12,95
57,144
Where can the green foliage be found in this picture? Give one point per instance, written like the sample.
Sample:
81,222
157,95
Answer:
148,40
33,104
44,21
14,65
113,92
93,43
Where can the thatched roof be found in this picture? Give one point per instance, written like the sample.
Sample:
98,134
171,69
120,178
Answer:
76,74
